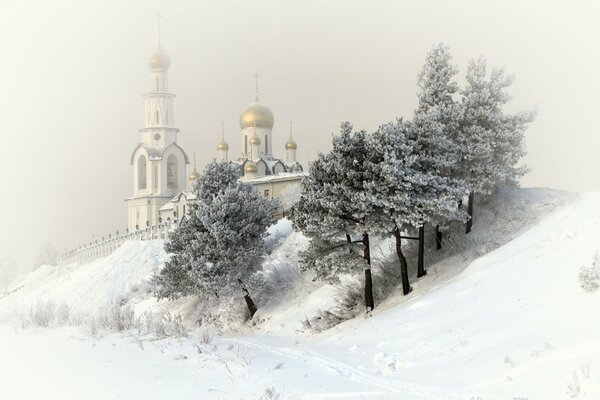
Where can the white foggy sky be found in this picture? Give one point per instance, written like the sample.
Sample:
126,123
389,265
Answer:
74,73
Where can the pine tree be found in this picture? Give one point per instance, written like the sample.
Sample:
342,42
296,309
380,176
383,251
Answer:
434,125
219,246
332,206
229,253
490,142
390,187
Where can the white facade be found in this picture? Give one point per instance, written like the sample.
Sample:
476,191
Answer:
158,163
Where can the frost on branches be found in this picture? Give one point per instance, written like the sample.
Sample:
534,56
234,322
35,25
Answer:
219,246
589,276
435,123
332,209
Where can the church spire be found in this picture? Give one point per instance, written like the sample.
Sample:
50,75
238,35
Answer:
157,32
256,76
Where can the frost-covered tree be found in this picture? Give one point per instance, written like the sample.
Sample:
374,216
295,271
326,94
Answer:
489,141
218,248
228,254
333,208
391,187
175,279
434,125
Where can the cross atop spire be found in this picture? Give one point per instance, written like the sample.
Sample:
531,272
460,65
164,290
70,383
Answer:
158,17
256,76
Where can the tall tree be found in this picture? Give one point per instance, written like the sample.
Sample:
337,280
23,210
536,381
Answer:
390,187
219,247
332,206
435,123
490,142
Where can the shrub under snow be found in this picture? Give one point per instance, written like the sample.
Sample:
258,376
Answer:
589,276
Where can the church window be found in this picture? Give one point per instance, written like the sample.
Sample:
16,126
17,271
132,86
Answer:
266,193
184,209
262,169
141,172
266,145
157,84
167,117
246,144
157,117
172,183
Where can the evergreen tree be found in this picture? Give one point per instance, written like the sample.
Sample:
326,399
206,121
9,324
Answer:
490,142
228,254
332,208
391,180
435,123
219,246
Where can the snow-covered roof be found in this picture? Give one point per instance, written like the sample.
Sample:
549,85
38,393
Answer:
280,177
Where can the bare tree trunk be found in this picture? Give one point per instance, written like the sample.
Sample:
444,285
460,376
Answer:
438,238
420,266
249,302
470,211
369,302
406,289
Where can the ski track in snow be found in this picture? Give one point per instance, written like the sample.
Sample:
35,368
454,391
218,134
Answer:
338,368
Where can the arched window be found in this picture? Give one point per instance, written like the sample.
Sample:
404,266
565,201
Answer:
172,183
262,168
156,117
141,164
278,168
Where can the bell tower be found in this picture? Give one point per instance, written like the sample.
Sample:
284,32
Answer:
159,164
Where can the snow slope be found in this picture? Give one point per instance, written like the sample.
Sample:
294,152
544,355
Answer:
501,324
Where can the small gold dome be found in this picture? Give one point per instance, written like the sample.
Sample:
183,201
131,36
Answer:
222,146
258,114
250,168
255,139
159,60
291,145
194,175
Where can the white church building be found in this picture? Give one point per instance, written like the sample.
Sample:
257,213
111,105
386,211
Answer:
161,186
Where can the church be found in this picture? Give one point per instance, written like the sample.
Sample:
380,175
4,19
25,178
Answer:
161,185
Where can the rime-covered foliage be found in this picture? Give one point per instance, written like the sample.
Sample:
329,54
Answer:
216,177
221,241
175,280
229,250
330,202
434,125
332,208
589,276
490,142
329,258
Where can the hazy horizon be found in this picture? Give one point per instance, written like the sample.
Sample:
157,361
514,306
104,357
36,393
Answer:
75,73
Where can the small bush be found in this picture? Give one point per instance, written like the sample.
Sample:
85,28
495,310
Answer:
589,276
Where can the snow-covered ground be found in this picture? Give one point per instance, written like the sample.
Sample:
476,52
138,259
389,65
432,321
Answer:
499,316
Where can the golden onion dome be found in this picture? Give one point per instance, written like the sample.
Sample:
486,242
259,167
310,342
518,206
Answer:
250,168
255,139
194,175
290,144
159,60
257,115
222,145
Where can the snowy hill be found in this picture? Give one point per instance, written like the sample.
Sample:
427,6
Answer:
499,316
